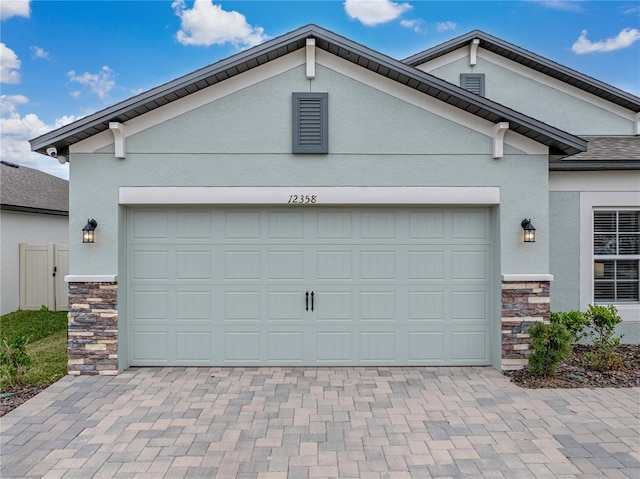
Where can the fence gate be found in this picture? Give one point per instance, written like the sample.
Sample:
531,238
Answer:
42,272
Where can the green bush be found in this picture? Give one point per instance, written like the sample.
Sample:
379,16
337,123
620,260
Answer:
14,361
551,343
574,321
602,322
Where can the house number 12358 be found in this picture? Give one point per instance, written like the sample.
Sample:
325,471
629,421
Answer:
302,199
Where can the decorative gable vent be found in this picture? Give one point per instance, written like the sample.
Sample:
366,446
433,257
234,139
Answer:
310,123
473,82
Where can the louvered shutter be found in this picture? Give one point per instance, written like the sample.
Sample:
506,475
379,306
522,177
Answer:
310,123
473,82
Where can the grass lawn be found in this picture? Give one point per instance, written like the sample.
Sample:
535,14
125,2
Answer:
46,332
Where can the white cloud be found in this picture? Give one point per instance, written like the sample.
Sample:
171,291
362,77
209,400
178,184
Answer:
563,5
9,65
445,26
626,38
14,8
375,12
99,83
39,52
208,24
632,11
16,131
415,25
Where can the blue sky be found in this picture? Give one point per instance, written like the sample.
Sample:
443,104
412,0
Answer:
61,60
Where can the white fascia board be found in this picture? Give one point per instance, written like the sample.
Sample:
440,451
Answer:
91,278
309,196
556,84
526,277
196,100
613,180
426,102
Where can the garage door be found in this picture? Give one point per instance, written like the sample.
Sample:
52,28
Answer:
309,286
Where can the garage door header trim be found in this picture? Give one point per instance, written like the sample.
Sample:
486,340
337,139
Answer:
310,195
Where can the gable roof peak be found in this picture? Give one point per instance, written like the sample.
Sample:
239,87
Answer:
533,61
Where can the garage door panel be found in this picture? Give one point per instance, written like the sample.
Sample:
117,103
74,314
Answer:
242,305
378,346
286,265
426,265
470,265
242,265
241,346
335,346
193,346
150,265
285,346
427,305
469,346
286,305
334,265
427,225
150,347
193,305
335,225
334,305
426,347
193,225
192,265
469,305
390,287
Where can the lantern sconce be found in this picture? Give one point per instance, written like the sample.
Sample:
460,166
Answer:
88,232
529,231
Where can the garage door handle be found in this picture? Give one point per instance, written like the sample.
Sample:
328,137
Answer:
306,302
312,293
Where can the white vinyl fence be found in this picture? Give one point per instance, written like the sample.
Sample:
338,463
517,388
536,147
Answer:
42,272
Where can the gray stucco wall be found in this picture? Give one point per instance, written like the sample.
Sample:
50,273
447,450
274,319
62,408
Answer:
564,254
375,139
525,94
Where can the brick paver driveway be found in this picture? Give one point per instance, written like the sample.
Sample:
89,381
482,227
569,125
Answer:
268,423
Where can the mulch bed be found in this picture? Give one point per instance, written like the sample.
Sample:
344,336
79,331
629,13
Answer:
571,374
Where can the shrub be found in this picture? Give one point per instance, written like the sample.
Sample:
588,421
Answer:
574,321
14,360
602,321
551,343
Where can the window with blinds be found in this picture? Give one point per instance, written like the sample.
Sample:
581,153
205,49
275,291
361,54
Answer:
616,252
473,82
310,123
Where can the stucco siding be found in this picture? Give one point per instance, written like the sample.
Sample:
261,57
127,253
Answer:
564,254
27,228
522,90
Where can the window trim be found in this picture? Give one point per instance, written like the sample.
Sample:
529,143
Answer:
613,257
603,200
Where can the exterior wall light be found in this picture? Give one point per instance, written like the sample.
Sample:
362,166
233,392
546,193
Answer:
529,231
88,232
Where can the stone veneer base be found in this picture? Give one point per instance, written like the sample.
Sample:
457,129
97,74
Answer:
523,304
93,328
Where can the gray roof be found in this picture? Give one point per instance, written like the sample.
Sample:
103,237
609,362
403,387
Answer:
604,152
32,191
559,142
531,60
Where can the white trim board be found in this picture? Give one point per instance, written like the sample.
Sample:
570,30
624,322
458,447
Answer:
527,277
309,196
91,278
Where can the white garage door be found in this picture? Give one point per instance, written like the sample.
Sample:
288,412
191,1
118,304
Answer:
309,286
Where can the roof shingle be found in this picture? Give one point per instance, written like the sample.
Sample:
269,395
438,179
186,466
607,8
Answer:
29,190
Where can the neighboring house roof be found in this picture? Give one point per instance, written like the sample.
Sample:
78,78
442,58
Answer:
604,152
559,142
32,191
531,60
